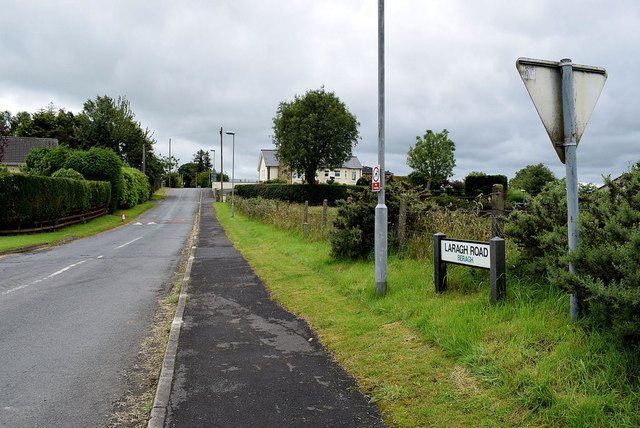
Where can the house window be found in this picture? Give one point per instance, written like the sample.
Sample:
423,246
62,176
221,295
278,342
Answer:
326,173
353,175
337,173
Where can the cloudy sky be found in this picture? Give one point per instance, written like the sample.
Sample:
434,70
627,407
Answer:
191,67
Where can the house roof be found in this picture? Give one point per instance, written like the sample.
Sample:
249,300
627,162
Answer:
18,148
270,157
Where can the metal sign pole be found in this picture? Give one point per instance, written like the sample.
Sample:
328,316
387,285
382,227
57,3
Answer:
570,146
381,208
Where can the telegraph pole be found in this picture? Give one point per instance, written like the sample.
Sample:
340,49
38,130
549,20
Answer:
169,162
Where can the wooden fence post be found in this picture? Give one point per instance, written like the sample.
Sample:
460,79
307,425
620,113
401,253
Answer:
305,225
402,223
324,215
497,210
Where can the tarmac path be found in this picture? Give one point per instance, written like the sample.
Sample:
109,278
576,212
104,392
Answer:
243,360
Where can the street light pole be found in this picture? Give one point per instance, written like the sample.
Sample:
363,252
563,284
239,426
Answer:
233,169
380,244
213,172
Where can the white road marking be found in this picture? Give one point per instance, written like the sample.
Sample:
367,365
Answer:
20,287
130,242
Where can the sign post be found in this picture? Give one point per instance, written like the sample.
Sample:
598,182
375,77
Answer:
564,95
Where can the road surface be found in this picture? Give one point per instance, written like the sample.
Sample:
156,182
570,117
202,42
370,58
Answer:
72,318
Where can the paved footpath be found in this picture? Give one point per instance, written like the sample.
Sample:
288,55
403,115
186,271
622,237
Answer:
244,361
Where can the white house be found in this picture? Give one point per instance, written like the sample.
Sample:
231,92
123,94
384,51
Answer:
269,168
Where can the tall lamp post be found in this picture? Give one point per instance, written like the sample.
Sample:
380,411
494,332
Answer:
233,169
213,172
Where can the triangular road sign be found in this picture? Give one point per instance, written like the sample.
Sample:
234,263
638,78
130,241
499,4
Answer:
543,80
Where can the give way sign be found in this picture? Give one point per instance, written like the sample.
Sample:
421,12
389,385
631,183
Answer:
543,80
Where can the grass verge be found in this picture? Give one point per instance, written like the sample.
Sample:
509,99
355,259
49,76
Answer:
450,359
89,228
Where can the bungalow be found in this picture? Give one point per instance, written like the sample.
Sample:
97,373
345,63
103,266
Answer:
17,149
269,168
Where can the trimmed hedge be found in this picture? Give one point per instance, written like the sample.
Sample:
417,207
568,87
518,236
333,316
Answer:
298,193
27,199
97,164
476,184
136,188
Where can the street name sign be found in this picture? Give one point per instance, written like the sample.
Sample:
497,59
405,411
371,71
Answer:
485,255
469,253
543,80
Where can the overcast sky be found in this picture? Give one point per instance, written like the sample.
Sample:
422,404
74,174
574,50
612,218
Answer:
191,67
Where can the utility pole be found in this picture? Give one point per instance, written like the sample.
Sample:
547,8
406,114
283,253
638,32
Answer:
169,162
144,157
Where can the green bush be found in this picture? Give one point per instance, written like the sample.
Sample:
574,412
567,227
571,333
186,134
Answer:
67,173
204,179
352,236
29,199
315,194
96,164
608,258
275,181
136,188
475,184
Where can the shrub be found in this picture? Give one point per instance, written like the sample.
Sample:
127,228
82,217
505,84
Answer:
315,194
477,183
136,188
204,179
353,231
608,258
275,181
67,173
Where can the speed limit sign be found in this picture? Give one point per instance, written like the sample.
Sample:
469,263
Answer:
375,179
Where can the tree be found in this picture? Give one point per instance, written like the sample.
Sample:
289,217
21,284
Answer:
105,122
316,130
532,178
432,156
4,131
189,172
202,160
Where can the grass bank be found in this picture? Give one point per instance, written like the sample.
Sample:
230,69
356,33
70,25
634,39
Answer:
450,359
89,228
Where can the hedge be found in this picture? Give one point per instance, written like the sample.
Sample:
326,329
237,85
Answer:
299,193
97,164
27,199
476,184
136,188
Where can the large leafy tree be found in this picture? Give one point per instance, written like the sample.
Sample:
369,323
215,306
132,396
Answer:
532,178
432,156
109,123
314,130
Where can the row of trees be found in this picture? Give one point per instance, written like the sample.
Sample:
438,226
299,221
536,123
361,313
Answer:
104,122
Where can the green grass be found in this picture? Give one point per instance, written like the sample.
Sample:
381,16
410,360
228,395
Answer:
89,228
450,359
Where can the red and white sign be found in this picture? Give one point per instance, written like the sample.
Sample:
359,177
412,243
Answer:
375,179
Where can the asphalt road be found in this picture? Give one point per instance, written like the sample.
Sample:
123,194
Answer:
72,318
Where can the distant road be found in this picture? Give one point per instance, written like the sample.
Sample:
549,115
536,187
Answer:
72,318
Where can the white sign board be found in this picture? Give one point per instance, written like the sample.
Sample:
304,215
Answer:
469,253
543,80
375,178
